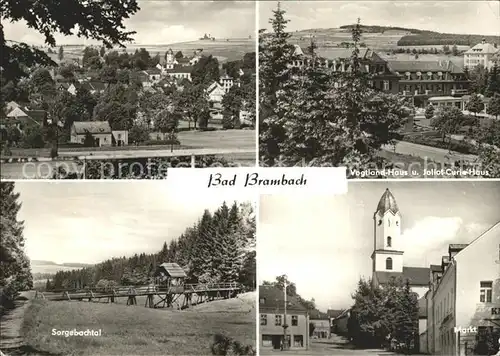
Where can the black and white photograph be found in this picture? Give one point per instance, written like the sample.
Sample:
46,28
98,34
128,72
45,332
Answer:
394,89
390,268
126,89
89,270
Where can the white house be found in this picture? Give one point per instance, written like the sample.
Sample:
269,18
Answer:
215,92
481,54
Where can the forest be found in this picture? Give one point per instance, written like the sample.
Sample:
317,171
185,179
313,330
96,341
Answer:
219,247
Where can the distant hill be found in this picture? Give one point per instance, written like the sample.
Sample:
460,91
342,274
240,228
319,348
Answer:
51,263
387,37
42,268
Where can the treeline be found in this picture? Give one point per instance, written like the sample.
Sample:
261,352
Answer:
218,248
15,272
385,316
434,38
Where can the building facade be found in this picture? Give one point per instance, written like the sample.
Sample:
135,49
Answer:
463,301
482,54
273,319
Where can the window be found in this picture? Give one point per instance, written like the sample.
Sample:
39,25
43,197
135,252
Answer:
485,292
379,222
389,222
263,319
298,340
389,241
295,320
261,300
267,340
388,263
277,320
386,85
397,223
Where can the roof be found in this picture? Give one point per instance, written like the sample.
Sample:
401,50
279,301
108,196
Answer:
185,69
418,276
316,314
37,115
483,48
172,270
457,247
153,71
93,127
273,299
436,268
182,60
423,66
387,203
333,313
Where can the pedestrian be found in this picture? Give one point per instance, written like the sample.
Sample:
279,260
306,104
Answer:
281,345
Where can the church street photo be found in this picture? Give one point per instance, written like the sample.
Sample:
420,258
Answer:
89,270
152,85
395,89
389,268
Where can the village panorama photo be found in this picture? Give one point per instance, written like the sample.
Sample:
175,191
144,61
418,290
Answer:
149,86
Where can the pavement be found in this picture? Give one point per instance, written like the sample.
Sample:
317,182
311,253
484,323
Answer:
435,154
336,345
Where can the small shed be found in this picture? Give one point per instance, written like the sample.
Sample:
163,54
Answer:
168,274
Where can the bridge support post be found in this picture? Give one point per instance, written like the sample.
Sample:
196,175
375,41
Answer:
193,161
149,301
66,294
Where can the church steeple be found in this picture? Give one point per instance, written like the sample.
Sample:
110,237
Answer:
387,254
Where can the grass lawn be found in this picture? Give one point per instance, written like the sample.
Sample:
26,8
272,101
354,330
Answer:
414,165
136,330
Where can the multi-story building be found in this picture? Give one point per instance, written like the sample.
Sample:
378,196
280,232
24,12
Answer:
419,80
463,301
422,80
321,324
481,54
274,321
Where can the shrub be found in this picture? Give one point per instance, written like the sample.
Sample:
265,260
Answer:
224,345
161,142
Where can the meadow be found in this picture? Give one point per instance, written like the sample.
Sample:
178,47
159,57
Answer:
136,330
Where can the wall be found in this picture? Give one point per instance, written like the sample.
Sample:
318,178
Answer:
397,261
123,136
423,343
444,312
104,139
476,263
272,329
321,326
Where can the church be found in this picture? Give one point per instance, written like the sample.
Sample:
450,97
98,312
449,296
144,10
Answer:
388,254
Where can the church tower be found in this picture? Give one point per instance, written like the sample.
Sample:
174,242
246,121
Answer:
387,253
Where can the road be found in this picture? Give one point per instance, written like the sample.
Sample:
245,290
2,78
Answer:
336,345
45,170
431,153
11,339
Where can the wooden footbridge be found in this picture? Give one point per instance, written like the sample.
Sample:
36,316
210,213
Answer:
156,296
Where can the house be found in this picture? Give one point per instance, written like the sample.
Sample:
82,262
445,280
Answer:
273,318
226,82
321,324
180,72
154,74
246,118
92,86
170,275
339,322
62,86
463,301
100,130
215,93
11,105
120,137
481,54
23,117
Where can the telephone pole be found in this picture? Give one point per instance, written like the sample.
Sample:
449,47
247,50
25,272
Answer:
285,325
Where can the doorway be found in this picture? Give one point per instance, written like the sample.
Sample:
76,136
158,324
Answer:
276,340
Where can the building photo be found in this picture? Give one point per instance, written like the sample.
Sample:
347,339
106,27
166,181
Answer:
402,268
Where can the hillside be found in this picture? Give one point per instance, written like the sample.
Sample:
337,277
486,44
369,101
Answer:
387,37
50,267
135,330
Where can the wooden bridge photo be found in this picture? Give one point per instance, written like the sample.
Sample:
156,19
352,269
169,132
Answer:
168,288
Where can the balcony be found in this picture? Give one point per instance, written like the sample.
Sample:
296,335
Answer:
458,92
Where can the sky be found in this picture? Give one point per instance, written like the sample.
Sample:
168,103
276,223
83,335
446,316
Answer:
165,22
324,243
464,17
89,222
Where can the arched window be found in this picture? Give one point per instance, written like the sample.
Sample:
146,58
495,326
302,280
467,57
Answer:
389,241
389,222
388,263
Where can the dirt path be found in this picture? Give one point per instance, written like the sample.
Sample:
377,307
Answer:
11,340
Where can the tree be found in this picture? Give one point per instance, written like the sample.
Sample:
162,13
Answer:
454,51
192,103
118,106
60,55
429,112
448,121
179,55
494,106
108,75
90,21
206,71
479,79
138,134
102,52
275,55
406,317
475,104
15,272
312,327
493,84
33,136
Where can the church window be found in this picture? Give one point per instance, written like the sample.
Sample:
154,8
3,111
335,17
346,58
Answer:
388,263
389,222
389,241
379,222
397,223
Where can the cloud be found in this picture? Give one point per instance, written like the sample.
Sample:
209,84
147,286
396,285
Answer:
427,240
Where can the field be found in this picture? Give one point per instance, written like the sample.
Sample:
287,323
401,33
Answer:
136,330
224,50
